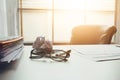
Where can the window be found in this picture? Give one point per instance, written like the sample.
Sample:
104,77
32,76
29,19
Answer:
56,18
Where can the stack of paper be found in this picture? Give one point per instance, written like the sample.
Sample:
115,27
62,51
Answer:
10,48
99,52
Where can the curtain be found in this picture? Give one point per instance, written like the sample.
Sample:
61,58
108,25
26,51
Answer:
9,23
117,22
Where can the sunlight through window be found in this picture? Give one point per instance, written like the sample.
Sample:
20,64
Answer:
57,25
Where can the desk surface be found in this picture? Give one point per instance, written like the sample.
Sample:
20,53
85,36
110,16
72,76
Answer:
77,68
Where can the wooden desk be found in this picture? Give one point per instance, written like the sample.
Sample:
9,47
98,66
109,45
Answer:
77,68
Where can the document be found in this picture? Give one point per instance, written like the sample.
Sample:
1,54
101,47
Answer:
98,52
12,56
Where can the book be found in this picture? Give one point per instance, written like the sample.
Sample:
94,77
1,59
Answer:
9,41
10,47
12,56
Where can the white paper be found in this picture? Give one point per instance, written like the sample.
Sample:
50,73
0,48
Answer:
99,52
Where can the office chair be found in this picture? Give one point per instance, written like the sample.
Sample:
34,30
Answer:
92,34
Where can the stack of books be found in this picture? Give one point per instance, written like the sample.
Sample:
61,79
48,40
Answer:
11,48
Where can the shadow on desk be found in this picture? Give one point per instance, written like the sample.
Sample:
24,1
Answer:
4,66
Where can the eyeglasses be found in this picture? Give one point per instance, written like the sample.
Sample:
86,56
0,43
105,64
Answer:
56,55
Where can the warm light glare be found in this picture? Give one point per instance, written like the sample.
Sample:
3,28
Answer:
69,4
71,13
67,14
85,4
